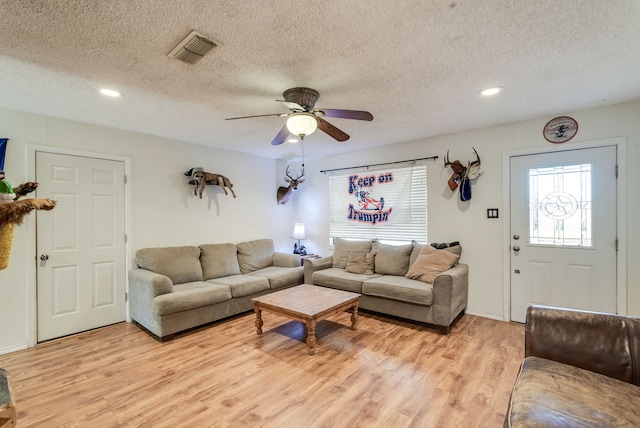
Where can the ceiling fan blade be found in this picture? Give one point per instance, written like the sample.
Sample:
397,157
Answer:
331,130
282,135
292,106
345,114
258,115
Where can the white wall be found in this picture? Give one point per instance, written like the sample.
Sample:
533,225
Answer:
164,211
449,219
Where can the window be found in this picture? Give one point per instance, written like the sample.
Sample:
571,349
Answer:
388,204
560,206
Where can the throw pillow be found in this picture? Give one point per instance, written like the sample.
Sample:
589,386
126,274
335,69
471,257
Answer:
417,247
431,263
361,263
392,259
344,246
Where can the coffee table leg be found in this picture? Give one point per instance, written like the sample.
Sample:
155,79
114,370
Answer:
354,316
311,336
259,322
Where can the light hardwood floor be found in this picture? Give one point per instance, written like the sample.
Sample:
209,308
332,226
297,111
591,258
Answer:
387,373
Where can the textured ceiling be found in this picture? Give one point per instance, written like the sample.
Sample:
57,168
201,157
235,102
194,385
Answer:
417,66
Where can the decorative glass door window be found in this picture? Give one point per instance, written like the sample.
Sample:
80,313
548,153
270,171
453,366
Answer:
560,206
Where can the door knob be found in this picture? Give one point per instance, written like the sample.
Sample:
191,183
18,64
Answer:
516,248
516,236
44,257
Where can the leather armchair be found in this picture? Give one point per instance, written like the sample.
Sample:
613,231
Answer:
581,369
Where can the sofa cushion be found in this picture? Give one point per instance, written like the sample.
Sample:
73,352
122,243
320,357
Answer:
219,260
391,259
343,247
191,295
360,263
399,288
181,264
254,255
280,276
242,285
340,279
552,394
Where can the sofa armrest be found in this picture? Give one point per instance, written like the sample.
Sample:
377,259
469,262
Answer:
603,343
312,265
146,284
286,260
450,293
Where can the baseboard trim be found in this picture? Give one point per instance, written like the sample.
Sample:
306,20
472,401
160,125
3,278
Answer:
492,317
13,349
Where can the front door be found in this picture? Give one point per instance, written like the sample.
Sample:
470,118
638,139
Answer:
80,244
563,230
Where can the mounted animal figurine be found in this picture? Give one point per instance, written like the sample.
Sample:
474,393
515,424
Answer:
284,193
200,179
462,175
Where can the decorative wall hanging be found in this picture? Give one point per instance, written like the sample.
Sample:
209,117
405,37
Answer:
378,198
200,179
12,211
284,193
462,175
560,129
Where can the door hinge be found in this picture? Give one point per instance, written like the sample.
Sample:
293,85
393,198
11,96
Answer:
126,296
616,244
125,179
125,238
616,171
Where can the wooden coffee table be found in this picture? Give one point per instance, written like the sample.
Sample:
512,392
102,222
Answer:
309,304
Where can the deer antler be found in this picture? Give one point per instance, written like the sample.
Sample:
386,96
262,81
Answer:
456,165
288,172
446,160
477,161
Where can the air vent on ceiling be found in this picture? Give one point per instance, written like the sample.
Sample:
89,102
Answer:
193,48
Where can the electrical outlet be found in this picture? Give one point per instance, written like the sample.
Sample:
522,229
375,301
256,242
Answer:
492,212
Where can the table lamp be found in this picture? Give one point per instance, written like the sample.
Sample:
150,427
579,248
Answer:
298,233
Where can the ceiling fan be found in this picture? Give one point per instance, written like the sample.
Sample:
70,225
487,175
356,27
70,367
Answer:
304,119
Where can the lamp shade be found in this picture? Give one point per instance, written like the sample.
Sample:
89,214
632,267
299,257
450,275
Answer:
298,231
302,124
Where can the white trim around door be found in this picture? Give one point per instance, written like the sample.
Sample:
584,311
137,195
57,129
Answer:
621,220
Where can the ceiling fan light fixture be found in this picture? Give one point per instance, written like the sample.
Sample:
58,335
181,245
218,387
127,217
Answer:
302,124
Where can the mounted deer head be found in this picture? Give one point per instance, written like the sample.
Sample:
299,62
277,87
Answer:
458,172
456,165
473,168
462,174
284,193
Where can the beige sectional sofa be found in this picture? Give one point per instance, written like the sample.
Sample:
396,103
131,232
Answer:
172,289
387,289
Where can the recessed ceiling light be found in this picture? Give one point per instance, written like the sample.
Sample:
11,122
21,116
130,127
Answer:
491,91
110,92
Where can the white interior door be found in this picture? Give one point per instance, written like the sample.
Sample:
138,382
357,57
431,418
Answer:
563,230
80,244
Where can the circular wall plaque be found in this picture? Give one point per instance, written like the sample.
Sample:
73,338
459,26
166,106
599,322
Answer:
560,129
